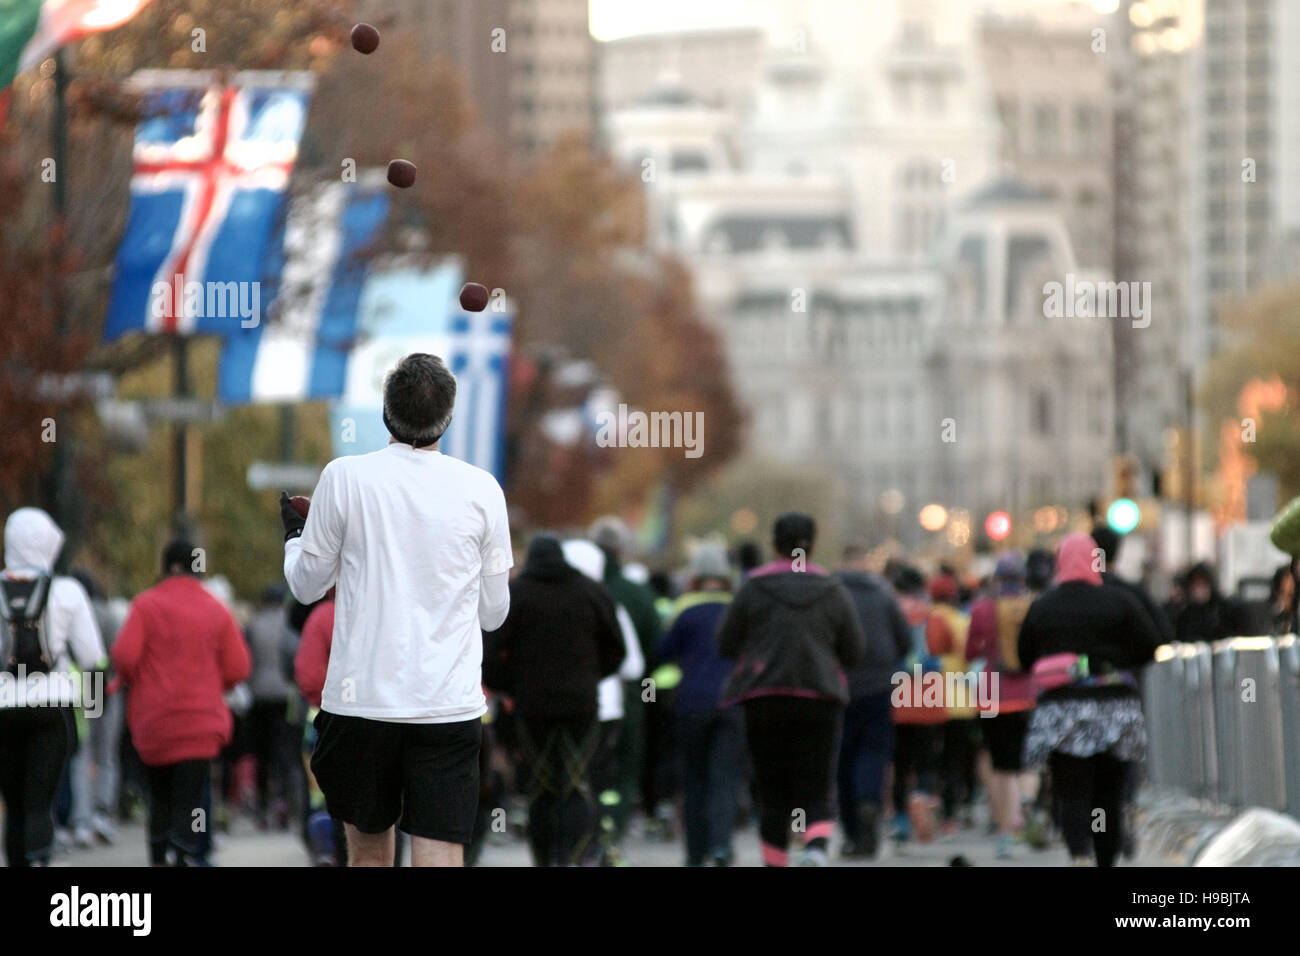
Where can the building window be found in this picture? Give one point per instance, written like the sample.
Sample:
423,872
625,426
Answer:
935,98
1097,411
1008,113
902,94
1047,129
1087,128
1042,413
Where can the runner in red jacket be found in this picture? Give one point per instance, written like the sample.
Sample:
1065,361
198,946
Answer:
179,651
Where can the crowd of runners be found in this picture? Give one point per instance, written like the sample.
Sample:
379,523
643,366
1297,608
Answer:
407,692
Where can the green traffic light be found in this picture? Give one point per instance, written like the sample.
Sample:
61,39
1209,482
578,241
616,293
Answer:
1123,515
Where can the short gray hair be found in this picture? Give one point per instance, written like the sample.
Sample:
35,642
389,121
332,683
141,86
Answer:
419,397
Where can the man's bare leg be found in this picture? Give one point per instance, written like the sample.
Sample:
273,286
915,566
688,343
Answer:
426,852
369,849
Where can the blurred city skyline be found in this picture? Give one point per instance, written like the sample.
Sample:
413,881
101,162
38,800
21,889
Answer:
614,19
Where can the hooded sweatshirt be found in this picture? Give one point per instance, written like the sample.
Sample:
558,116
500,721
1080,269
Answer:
791,633
590,560
32,545
1079,616
559,640
888,635
179,651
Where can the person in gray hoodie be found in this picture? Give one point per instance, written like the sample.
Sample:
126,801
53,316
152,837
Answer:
273,735
867,740
37,723
792,630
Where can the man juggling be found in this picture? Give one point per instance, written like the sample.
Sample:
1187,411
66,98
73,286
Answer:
418,545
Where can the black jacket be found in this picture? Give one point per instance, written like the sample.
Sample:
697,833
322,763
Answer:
1217,618
1153,611
1106,623
888,638
791,632
559,640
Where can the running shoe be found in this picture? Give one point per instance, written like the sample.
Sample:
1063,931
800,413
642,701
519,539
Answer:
901,831
814,856
103,827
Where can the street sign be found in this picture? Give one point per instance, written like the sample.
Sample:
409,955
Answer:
183,410
95,385
282,475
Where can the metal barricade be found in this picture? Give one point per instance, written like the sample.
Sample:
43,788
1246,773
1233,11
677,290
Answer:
1258,720
1227,752
1288,652
1203,766
1160,702
1223,721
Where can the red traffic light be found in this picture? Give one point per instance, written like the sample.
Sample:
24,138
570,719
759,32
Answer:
998,525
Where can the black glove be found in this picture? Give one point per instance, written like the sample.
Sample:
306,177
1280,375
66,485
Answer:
292,521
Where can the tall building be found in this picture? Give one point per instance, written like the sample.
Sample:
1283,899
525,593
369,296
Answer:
529,65
878,291
719,68
1051,85
1245,140
1150,73
906,120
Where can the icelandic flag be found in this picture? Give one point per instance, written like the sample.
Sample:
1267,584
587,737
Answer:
317,270
407,310
211,166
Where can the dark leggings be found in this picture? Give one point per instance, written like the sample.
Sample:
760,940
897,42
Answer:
792,742
712,742
1085,785
34,745
175,793
959,751
274,742
917,752
561,809
866,748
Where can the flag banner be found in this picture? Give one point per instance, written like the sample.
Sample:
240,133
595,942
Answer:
313,291
211,166
406,310
30,30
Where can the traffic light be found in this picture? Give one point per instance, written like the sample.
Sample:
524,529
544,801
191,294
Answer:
1123,515
998,525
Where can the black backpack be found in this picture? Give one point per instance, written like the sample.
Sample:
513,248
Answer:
22,636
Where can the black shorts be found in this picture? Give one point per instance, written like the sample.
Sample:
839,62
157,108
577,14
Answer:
423,777
1004,735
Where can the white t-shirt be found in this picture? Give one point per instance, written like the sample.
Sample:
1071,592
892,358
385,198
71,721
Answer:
408,535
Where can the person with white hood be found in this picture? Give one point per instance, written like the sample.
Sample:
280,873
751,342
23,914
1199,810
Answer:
37,689
590,560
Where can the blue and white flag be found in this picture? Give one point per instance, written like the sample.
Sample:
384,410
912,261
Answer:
211,166
406,310
317,273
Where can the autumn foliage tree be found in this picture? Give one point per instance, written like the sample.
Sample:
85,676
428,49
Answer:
1263,336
